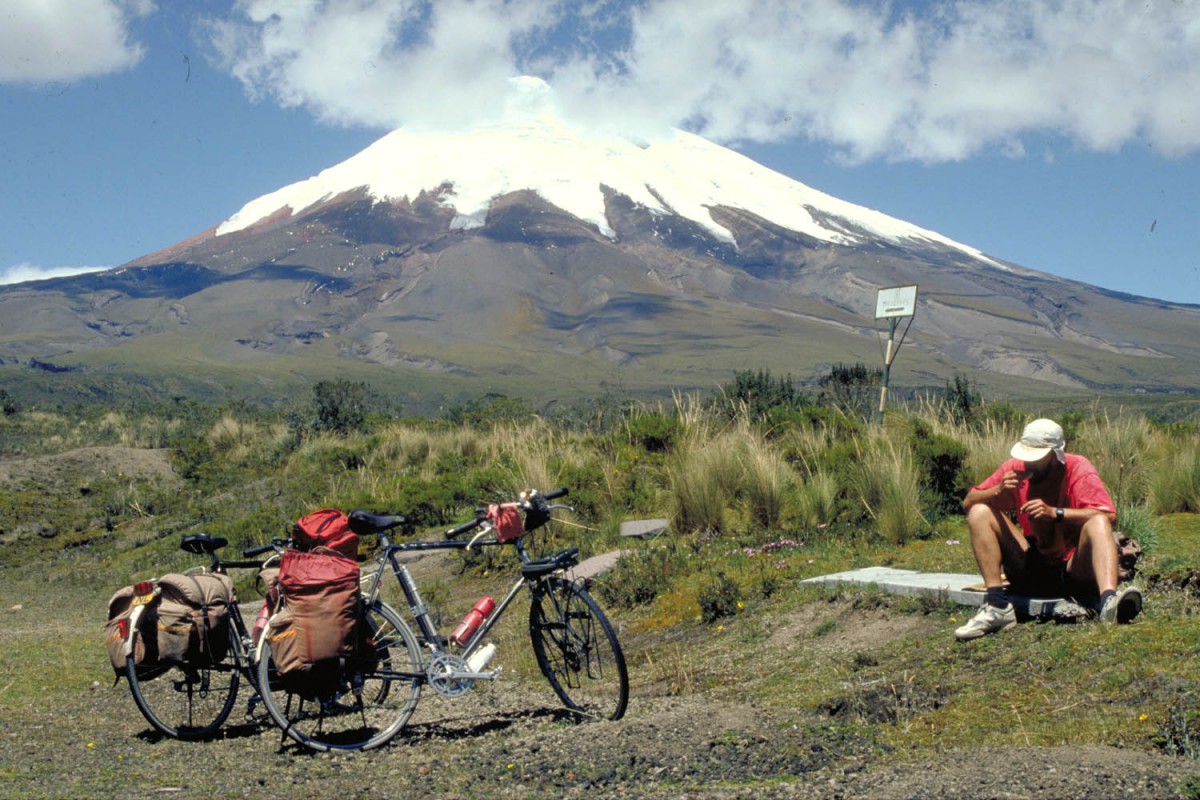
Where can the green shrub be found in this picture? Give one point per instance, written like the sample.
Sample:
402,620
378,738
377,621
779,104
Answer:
941,464
769,485
888,486
758,394
654,432
817,501
1174,484
639,577
718,599
960,403
702,481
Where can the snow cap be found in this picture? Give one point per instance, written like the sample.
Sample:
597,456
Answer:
1040,437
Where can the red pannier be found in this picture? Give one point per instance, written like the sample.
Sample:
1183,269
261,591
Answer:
328,528
314,624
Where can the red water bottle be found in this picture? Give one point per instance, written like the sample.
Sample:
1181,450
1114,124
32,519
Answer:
471,622
260,621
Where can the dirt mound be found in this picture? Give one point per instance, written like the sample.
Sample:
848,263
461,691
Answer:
90,462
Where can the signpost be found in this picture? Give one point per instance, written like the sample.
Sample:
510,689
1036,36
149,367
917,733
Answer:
892,304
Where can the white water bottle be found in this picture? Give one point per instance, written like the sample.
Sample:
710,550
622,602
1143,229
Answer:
481,658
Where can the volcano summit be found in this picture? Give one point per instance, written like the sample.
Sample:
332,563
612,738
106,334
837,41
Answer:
536,258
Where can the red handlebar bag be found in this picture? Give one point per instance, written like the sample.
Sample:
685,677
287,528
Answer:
506,519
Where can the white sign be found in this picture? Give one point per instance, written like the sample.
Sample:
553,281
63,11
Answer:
899,301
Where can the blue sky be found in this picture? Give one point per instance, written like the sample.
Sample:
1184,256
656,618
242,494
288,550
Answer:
1061,135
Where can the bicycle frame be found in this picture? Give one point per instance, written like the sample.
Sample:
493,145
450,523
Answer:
417,606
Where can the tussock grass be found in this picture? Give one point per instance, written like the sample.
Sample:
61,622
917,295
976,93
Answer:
887,484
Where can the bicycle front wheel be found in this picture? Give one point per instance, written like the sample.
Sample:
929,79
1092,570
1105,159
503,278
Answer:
183,701
577,650
364,705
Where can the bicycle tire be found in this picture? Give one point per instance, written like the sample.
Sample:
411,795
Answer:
185,702
388,677
577,650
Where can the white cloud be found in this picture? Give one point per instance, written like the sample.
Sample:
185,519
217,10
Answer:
932,81
20,273
65,40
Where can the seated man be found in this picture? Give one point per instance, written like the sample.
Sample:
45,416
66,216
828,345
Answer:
1063,545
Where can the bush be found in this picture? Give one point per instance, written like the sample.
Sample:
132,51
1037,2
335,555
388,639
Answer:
340,406
703,481
960,403
654,432
889,487
853,390
640,577
721,598
941,465
759,394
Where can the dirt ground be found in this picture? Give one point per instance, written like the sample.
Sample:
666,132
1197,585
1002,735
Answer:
86,739
512,739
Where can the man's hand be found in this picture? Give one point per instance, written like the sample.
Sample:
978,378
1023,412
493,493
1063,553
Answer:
1012,480
1038,509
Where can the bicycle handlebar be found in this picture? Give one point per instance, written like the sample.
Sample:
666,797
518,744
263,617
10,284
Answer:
459,530
530,500
251,552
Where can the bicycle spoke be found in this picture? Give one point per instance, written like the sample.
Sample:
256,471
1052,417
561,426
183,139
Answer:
578,651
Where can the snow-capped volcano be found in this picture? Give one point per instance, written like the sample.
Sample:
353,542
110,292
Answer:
533,254
534,149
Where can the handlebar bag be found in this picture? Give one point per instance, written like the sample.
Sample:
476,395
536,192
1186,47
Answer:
327,528
314,625
506,519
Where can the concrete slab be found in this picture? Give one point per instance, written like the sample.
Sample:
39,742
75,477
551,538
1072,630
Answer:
643,528
963,589
597,565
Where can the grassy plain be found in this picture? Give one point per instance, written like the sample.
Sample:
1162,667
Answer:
711,612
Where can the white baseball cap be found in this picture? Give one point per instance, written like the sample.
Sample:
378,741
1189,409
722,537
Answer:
1039,438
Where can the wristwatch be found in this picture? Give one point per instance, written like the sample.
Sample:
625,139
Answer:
1059,514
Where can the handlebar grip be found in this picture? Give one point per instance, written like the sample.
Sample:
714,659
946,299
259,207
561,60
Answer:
458,530
250,552
553,493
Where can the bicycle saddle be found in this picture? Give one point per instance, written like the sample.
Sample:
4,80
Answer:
202,543
364,522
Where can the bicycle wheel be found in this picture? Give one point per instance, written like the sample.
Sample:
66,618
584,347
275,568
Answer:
577,650
371,698
182,701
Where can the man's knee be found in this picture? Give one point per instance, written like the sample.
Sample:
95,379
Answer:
1098,531
982,517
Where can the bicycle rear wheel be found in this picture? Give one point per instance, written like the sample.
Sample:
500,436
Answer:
182,701
577,650
370,699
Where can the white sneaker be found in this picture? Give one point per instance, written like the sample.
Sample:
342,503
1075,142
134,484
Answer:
1122,607
988,619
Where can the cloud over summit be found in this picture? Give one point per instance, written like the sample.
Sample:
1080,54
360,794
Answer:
935,81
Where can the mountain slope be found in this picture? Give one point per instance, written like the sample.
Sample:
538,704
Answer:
530,255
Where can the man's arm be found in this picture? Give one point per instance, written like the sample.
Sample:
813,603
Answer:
990,494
